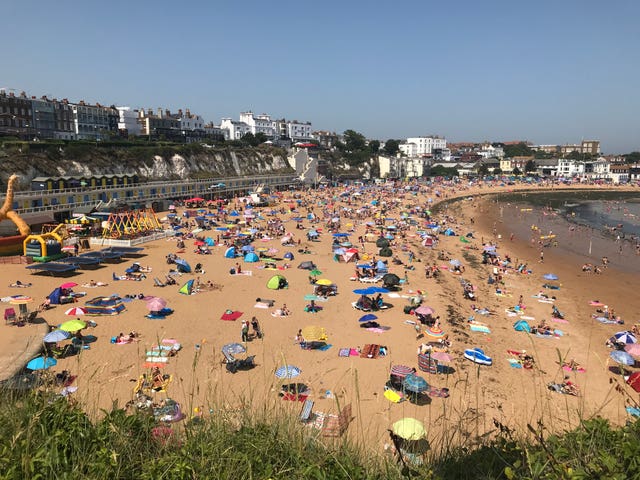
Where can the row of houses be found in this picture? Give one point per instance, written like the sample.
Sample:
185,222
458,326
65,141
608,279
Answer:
28,117
601,169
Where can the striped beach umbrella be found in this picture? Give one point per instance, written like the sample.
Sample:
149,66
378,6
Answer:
288,371
401,371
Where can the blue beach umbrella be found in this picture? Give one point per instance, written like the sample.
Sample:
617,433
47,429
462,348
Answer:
364,291
288,371
622,358
41,363
233,348
415,383
625,337
56,336
367,318
378,290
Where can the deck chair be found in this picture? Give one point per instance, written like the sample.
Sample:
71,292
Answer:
307,407
10,317
158,283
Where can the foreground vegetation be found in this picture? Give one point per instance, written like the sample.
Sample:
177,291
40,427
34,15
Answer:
45,437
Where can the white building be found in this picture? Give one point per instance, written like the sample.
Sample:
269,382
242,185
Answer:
234,130
259,123
299,131
489,151
400,167
128,120
422,146
570,168
190,122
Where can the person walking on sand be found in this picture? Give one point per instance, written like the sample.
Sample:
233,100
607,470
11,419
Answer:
245,331
541,256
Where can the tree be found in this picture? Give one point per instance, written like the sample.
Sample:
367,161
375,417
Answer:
354,141
440,171
516,171
530,166
633,157
374,146
497,171
483,169
261,137
518,150
391,147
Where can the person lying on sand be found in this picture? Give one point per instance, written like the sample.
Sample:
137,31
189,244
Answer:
19,284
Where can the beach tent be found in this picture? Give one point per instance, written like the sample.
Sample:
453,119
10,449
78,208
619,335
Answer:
385,252
183,266
187,288
251,257
104,306
210,242
308,265
522,326
449,232
390,280
230,252
350,255
428,242
277,282
381,267
54,297
382,243
289,256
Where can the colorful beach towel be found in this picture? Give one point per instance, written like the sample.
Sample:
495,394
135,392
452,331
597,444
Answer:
480,328
344,352
514,363
230,315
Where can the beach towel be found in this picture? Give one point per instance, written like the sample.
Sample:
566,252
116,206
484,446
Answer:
515,352
261,305
543,300
231,315
526,317
480,328
245,272
325,347
633,411
344,352
567,368
354,352
437,392
596,303
393,396
378,329
514,363
370,351
606,321
559,320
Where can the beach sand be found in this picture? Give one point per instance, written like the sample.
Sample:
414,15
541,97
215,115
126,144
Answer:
107,373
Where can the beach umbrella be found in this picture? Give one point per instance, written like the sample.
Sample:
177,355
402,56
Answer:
364,291
409,429
315,272
233,348
156,304
76,311
634,381
379,290
401,371
288,371
550,276
441,356
424,310
435,332
415,383
367,318
324,281
622,358
69,285
625,337
56,336
247,248
632,348
73,325
20,300
41,363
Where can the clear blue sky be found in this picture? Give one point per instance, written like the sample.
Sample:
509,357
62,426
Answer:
547,71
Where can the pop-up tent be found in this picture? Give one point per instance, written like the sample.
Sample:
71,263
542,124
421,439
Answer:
307,265
187,288
54,297
289,256
251,257
230,252
385,252
382,243
277,282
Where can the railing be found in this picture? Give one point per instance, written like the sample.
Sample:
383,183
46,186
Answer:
195,186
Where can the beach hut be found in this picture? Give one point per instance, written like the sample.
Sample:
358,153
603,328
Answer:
277,282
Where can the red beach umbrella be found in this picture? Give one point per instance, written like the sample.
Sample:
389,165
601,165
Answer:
401,371
76,311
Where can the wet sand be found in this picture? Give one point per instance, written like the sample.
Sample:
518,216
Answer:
514,397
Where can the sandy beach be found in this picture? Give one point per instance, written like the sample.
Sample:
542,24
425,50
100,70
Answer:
479,395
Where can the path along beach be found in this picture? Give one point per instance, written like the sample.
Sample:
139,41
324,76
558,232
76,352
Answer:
106,373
